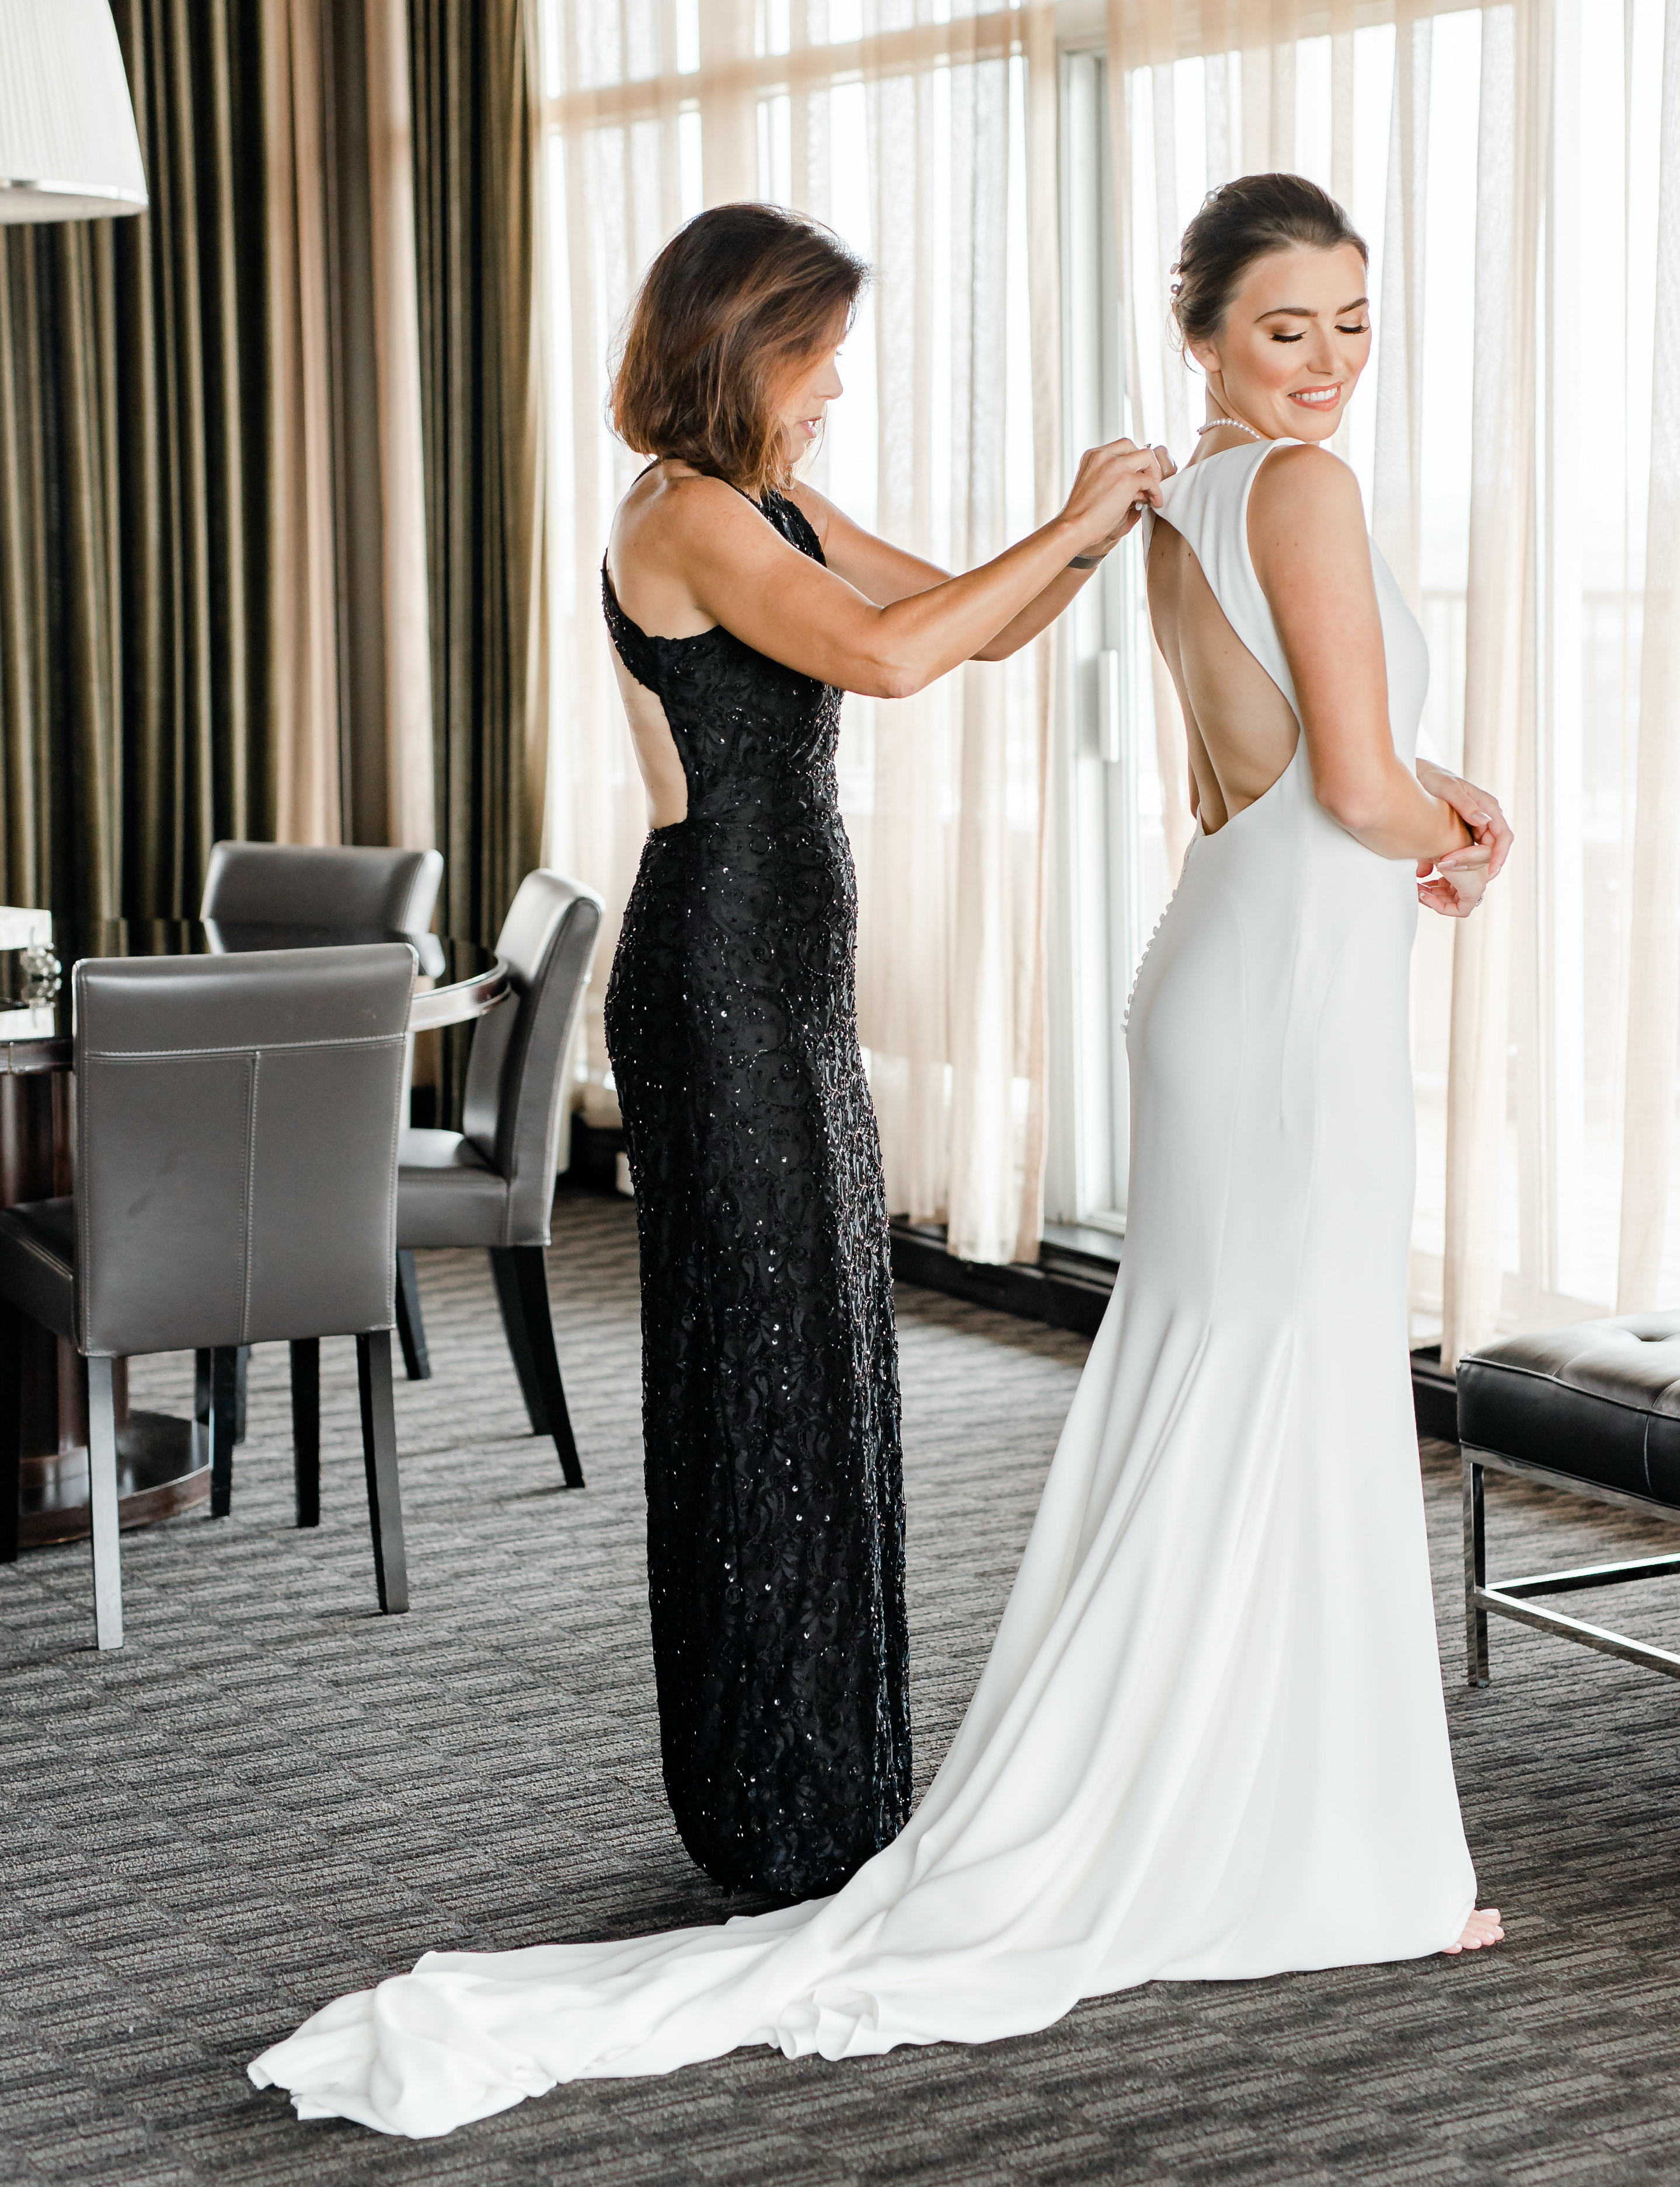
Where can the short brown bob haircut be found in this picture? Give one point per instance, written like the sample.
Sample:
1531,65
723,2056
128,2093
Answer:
739,297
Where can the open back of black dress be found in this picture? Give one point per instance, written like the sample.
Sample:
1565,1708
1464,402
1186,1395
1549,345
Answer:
770,1390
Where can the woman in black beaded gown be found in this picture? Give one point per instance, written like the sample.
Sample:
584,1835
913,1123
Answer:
740,605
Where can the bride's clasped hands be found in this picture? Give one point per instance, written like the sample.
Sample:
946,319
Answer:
1455,884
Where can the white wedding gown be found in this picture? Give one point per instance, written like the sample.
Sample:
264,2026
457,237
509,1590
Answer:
1209,1743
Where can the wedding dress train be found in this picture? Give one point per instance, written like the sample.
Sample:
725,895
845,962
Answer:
1209,1743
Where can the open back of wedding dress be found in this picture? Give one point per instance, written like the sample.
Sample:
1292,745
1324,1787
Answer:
1209,1743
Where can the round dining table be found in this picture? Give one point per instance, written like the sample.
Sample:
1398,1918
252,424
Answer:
163,1463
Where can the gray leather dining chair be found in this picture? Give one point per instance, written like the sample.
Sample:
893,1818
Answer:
235,1136
492,1183
313,885
310,885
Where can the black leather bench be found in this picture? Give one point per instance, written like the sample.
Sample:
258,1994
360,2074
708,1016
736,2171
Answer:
1593,1410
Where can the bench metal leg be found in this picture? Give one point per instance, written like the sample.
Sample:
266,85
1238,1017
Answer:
522,1290
379,1449
1475,1572
1509,1604
102,1505
411,1328
1516,1598
306,1357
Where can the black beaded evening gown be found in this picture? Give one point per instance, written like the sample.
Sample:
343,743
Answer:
770,1380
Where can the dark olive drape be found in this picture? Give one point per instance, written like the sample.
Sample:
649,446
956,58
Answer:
475,168
162,562
132,531
60,597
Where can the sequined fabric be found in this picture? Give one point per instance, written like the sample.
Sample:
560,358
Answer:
770,1379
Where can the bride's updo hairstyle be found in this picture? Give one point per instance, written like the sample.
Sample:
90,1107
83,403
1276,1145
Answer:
1241,221
740,297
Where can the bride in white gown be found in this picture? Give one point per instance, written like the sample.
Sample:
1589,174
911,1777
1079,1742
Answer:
1210,1742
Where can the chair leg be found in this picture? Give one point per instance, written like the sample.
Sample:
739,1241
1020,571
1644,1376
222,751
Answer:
224,1379
201,1388
522,1289
305,1353
511,1299
102,1505
1475,1573
411,1328
11,1430
379,1449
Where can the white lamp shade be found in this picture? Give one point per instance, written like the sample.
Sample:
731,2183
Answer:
69,150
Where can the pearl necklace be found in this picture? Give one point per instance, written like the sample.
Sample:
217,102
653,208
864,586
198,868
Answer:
1237,422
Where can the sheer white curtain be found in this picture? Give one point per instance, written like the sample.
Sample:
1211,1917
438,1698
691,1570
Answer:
1646,1272
926,134
1516,169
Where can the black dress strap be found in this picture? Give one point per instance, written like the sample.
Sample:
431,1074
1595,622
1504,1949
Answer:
794,525
635,649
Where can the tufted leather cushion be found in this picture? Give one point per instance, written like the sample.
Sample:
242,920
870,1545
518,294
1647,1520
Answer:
1599,1402
37,1261
447,1192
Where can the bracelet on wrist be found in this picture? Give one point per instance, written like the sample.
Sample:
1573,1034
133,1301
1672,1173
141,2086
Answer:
1087,561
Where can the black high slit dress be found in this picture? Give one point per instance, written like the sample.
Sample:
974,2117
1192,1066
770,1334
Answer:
770,1379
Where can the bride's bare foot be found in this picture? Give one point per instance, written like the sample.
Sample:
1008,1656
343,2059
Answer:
1483,1927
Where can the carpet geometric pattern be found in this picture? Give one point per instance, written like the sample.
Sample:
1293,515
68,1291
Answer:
271,1795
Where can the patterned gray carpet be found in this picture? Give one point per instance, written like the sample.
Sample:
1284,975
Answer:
272,1795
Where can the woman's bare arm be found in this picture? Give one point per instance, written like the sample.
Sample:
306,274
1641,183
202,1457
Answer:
700,542
872,565
1311,554
885,573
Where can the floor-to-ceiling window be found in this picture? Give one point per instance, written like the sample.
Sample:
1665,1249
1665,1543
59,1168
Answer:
912,130
1412,122
1019,178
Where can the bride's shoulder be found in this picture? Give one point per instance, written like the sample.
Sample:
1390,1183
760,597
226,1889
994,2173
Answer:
1303,499
1304,478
